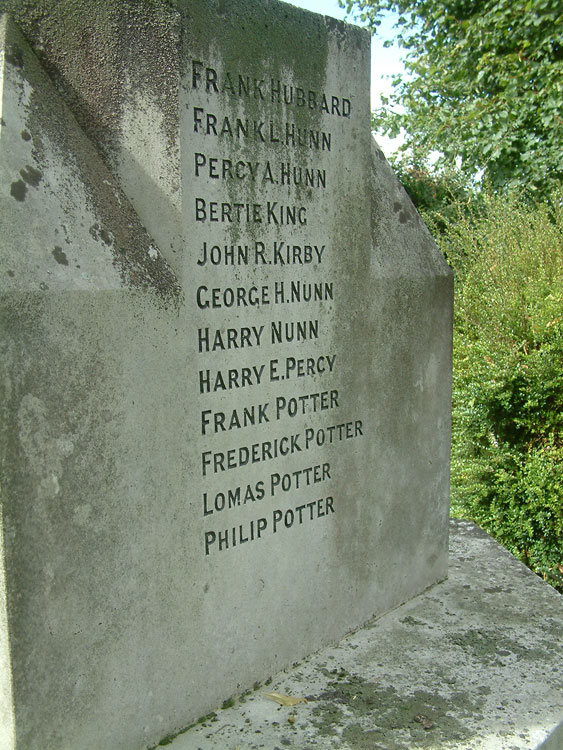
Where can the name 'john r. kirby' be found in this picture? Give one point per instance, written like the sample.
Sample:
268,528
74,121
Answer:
279,254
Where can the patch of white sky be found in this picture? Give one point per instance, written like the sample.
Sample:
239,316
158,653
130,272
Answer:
386,62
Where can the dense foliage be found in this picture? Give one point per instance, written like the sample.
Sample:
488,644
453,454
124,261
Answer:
507,446
439,195
483,86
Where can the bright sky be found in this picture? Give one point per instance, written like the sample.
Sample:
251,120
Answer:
384,61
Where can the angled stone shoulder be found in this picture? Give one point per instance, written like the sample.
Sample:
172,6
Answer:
66,223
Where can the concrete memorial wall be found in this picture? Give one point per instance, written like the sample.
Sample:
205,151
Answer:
226,353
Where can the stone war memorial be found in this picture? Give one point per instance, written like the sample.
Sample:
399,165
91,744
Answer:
225,362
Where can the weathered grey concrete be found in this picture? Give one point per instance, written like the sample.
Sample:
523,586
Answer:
149,563
117,67
473,663
83,530
66,224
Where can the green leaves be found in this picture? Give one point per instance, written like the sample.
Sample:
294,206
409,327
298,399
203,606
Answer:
507,443
483,86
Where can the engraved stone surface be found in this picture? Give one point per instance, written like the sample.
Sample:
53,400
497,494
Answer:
225,361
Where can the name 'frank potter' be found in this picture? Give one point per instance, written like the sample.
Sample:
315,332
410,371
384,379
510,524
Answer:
213,422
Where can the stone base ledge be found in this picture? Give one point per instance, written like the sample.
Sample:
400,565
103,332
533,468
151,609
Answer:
473,663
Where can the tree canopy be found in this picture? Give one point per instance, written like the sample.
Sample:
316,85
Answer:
483,86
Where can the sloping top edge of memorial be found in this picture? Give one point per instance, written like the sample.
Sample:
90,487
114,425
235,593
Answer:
402,245
67,224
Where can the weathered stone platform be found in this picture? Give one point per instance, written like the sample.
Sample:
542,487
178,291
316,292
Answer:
473,663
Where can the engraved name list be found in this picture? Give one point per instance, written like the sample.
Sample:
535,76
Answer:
272,409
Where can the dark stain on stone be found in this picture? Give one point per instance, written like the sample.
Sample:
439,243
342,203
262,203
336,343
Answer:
18,190
409,620
3,121
43,286
60,256
25,135
334,25
403,217
11,274
31,175
98,233
397,206
105,237
89,70
14,56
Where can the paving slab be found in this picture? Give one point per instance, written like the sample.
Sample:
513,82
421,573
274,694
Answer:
473,663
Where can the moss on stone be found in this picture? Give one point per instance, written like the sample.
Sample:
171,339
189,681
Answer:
398,721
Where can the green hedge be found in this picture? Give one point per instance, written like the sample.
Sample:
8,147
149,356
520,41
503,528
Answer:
507,451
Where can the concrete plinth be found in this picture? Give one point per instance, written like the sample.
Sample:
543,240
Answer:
473,663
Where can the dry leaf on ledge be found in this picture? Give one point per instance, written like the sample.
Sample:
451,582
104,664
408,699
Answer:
284,700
